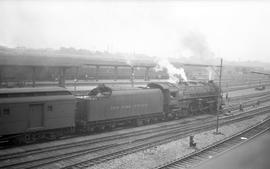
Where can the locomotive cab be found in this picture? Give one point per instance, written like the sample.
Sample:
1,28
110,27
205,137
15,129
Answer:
171,97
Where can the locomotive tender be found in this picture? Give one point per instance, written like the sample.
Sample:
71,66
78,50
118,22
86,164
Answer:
26,115
111,107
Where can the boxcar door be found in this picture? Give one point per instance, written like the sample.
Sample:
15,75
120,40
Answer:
36,115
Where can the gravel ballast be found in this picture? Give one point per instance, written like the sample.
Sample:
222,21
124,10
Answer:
152,157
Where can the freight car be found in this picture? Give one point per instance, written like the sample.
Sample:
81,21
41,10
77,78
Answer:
28,114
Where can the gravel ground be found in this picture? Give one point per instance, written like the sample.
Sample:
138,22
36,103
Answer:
158,155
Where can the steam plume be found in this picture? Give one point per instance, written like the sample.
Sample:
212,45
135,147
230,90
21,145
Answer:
172,71
210,73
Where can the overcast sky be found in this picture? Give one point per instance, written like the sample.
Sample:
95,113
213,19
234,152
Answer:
234,30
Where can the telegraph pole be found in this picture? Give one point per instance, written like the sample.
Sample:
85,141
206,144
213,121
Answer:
219,97
132,76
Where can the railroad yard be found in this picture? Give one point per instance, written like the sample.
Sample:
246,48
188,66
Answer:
129,123
150,146
111,84
160,155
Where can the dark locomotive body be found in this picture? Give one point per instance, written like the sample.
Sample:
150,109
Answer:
199,97
188,98
55,111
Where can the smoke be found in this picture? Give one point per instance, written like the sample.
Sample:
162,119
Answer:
210,73
128,62
127,59
196,49
172,71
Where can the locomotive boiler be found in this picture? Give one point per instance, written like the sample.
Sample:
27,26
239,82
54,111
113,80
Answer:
188,98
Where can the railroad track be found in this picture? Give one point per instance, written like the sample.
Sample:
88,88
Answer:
221,146
96,154
248,96
248,103
4,143
64,155
242,87
145,145
45,150
43,153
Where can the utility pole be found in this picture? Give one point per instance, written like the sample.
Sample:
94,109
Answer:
76,78
132,76
219,97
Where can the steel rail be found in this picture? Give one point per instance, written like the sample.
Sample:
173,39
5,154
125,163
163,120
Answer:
217,148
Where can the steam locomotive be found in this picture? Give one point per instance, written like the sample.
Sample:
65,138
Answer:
31,114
